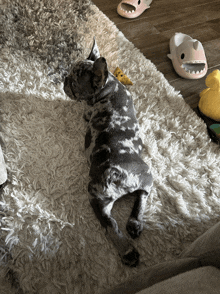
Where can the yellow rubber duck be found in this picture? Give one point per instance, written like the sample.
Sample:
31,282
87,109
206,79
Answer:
209,103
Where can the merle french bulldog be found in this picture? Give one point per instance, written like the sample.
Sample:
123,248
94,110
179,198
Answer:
113,148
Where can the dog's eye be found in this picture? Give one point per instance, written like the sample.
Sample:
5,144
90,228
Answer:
182,56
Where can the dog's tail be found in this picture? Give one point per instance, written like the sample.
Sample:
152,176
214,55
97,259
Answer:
113,176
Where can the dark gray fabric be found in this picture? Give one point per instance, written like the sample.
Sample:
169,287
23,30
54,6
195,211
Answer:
203,252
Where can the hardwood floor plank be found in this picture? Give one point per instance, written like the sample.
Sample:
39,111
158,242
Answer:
152,31
188,16
151,41
149,36
212,50
106,5
204,32
157,7
133,31
156,46
215,24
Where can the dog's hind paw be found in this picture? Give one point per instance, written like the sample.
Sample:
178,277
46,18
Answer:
131,258
134,228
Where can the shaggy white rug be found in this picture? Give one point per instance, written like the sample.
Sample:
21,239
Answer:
52,238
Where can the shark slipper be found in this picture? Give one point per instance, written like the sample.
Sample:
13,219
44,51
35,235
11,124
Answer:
133,8
188,57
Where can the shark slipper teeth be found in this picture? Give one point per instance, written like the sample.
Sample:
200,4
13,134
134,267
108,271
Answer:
133,8
188,57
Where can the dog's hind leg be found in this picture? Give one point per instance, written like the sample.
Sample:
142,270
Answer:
135,223
102,209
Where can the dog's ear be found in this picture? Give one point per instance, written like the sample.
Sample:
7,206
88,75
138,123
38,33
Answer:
94,54
100,72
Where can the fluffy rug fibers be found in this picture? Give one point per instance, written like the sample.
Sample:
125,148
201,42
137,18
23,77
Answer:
50,237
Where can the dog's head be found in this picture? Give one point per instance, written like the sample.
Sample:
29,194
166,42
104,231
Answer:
87,77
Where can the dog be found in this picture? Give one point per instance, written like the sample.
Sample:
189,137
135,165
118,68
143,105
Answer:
113,149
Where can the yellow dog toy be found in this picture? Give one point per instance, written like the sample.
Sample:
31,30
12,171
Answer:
118,73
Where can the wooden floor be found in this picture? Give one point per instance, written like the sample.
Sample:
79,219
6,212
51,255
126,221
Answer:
152,31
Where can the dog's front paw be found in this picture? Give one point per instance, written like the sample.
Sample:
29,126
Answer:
134,228
131,258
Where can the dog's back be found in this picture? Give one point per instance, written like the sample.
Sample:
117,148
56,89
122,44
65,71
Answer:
113,146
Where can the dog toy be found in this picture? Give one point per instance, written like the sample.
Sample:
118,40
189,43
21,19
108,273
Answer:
209,103
118,73
132,8
188,56
215,129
